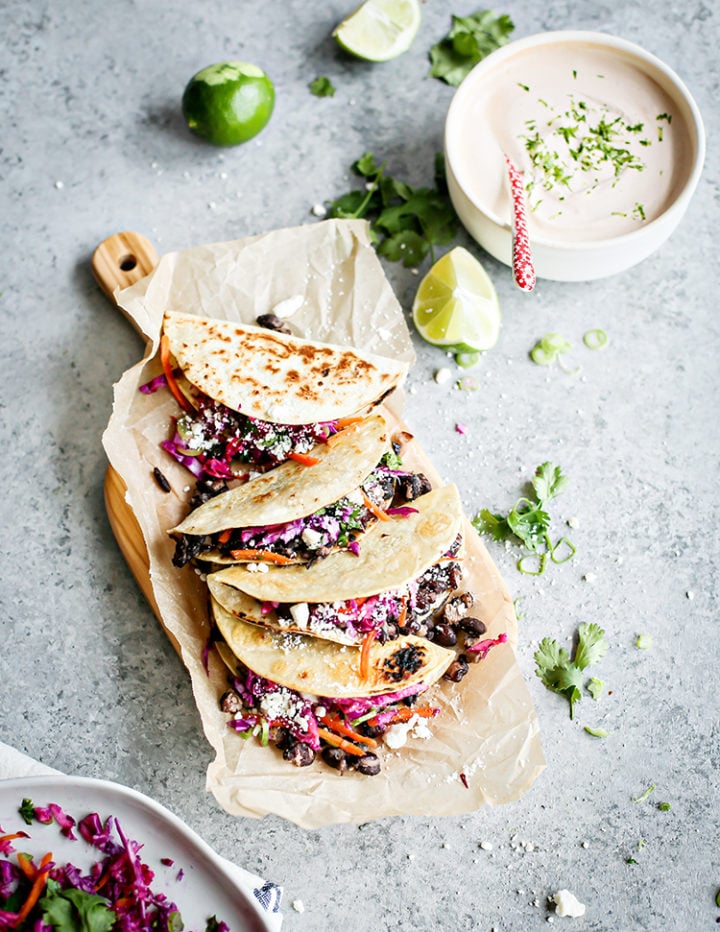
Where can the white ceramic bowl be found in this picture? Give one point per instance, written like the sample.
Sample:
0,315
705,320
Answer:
482,123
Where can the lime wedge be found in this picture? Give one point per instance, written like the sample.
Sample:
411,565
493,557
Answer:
379,30
456,305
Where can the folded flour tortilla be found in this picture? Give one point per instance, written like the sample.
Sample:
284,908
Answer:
277,377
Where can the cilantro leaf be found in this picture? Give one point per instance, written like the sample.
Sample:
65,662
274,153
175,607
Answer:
405,222
494,525
322,87
76,911
548,481
529,523
27,811
470,39
592,645
563,675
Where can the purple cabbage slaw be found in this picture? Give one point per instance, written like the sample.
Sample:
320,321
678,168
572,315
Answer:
215,442
120,876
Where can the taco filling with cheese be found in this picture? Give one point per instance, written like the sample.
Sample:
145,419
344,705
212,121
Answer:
299,514
253,398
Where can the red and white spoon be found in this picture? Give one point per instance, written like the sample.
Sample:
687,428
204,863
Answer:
522,260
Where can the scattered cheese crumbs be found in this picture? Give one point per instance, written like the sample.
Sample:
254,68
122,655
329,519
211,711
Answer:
644,642
442,375
573,522
590,577
300,614
411,857
586,844
396,736
566,904
59,185
289,306
256,567
486,845
318,210
690,594
298,906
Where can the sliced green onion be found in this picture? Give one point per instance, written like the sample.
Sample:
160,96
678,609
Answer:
541,357
569,546
595,339
644,796
516,607
644,642
363,718
556,342
265,735
540,564
596,732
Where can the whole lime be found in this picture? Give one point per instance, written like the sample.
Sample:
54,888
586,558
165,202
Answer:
228,103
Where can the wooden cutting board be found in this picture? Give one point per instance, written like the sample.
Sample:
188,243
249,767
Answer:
118,262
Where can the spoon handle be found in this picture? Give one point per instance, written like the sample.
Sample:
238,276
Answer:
522,260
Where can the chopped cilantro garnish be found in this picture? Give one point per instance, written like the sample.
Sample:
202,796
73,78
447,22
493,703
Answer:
391,460
27,811
663,807
471,38
322,87
595,687
564,675
529,523
405,222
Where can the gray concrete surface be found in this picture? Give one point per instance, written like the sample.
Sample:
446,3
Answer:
92,143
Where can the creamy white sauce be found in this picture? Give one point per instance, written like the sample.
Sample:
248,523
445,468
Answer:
602,147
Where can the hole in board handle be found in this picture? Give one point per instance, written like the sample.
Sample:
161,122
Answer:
127,263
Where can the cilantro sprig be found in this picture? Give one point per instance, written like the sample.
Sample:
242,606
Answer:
405,221
322,86
564,675
471,38
528,522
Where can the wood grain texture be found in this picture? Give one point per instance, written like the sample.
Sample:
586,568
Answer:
120,261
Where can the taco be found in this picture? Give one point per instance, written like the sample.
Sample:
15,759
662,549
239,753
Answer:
299,514
253,398
406,571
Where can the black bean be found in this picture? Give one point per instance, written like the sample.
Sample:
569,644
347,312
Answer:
458,607
472,626
161,480
444,635
299,754
231,702
457,669
369,764
335,757
272,322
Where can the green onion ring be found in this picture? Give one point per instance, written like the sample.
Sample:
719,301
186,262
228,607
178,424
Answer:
558,543
595,339
542,562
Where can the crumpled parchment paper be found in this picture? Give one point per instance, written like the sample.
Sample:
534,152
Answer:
485,746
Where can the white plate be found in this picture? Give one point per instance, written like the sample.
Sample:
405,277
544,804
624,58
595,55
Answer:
208,886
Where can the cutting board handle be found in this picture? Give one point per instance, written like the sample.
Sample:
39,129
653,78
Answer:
121,260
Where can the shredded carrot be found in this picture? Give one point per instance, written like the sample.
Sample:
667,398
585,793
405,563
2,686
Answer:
406,713
331,738
347,421
372,507
365,653
224,536
304,458
26,866
170,375
13,836
264,556
403,614
349,427
36,889
338,726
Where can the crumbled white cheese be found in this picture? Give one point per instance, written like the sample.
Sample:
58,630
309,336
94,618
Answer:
486,845
573,522
690,594
300,614
298,906
567,904
590,577
312,539
318,210
59,185
396,736
257,567
442,375
289,306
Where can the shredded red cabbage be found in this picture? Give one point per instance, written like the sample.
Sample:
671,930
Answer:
485,646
